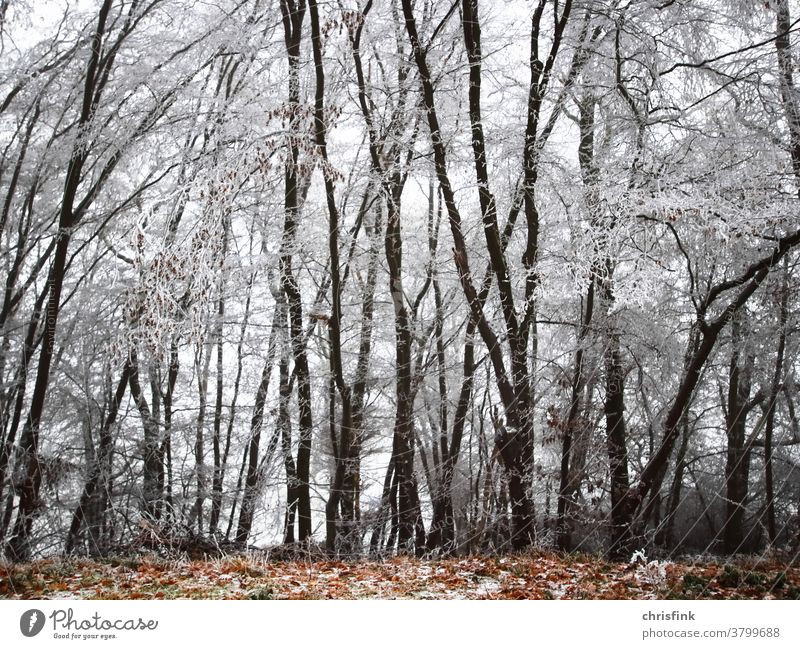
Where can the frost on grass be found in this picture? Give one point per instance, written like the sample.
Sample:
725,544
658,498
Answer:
529,576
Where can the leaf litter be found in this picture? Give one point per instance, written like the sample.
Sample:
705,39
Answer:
537,575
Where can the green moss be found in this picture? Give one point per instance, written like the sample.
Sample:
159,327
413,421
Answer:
755,579
793,592
779,582
694,585
730,577
262,592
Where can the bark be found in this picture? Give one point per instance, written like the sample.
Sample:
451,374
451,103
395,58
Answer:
232,409
285,428
343,446
777,379
614,409
351,488
737,464
165,486
747,282
151,492
409,519
256,424
219,468
18,548
516,443
292,13
202,368
676,491
29,346
376,539
94,499
569,481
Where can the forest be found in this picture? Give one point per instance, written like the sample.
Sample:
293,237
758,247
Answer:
427,278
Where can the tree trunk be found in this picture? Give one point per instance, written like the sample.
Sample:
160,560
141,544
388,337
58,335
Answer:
256,424
769,428
18,547
614,408
151,494
293,14
218,475
94,498
738,455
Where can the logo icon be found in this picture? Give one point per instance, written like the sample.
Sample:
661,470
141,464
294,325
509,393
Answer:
31,622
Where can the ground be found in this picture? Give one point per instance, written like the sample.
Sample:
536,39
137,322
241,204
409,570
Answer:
538,575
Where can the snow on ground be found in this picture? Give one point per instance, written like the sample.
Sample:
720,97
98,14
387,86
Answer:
539,575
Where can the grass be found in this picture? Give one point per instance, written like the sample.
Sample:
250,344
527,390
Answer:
534,575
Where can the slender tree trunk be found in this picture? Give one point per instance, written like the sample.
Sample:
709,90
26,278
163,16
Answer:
379,529
293,12
676,489
289,465
738,456
28,349
19,547
256,424
232,410
569,482
614,409
151,494
769,428
403,447
202,368
351,488
94,498
166,506
409,518
589,173
217,479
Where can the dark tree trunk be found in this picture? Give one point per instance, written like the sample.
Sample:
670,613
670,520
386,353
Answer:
748,281
202,367
285,427
515,438
569,482
28,348
351,488
738,455
94,499
256,423
382,517
166,506
151,493
614,408
403,446
216,444
666,537
409,518
293,13
769,427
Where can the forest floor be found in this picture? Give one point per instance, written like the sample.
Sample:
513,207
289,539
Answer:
538,575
